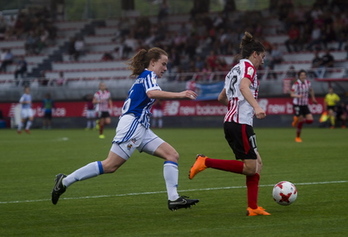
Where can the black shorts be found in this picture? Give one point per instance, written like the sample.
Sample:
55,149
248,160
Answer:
103,114
301,110
242,140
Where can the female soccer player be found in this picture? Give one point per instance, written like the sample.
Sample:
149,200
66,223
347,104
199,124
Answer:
26,112
133,130
300,91
239,94
102,101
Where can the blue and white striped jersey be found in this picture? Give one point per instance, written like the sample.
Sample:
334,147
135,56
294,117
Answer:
138,103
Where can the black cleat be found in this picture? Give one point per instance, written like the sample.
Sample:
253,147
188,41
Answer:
58,188
181,202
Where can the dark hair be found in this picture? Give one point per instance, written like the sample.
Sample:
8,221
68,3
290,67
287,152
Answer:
142,59
249,45
299,72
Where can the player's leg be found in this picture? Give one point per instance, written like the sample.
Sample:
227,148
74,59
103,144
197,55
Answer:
93,169
154,145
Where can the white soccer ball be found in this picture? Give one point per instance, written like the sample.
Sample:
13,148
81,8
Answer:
284,193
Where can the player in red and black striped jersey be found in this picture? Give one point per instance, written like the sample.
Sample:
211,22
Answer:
300,92
103,103
240,96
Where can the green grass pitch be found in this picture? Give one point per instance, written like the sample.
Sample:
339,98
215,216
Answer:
133,202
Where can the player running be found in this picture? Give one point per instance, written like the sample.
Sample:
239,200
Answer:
133,130
239,94
27,114
299,92
103,102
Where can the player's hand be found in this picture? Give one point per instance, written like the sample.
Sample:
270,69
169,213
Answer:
190,94
260,113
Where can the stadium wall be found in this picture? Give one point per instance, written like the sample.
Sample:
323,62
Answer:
177,113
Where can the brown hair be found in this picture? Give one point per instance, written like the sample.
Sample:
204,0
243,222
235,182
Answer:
142,59
248,45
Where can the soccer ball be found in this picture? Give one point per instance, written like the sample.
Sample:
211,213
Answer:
284,193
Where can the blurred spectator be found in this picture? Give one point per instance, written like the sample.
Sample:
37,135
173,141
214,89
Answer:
6,59
327,61
71,48
163,11
316,38
60,81
316,63
31,43
21,69
79,46
293,41
276,58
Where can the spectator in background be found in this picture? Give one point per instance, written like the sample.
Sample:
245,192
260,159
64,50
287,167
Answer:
79,46
316,38
316,63
21,69
327,61
293,41
60,81
6,59
47,107
276,58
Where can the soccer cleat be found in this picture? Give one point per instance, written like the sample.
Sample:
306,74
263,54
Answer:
19,131
58,188
27,131
181,202
295,121
259,211
102,136
298,139
198,166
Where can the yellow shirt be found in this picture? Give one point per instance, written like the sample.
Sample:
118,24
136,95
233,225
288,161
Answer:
331,99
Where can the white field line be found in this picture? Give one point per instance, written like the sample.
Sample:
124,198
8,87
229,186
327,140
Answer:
158,192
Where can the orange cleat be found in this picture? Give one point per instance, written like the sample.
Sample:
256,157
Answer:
27,131
19,131
198,166
298,139
295,121
259,211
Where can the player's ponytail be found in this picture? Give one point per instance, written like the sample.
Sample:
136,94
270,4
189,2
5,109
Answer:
142,59
249,45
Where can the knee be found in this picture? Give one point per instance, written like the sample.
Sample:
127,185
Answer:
173,156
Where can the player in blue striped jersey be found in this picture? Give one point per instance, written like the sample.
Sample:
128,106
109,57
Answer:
133,130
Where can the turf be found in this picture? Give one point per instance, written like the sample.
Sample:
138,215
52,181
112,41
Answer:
133,202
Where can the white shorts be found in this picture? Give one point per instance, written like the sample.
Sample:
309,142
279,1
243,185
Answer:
131,135
91,114
26,113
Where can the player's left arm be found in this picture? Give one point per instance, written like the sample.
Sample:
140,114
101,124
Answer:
223,97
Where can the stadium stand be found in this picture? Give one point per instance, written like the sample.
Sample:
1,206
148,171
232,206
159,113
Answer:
107,35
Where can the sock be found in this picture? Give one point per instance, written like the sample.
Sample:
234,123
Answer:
307,121
299,128
234,166
252,183
171,176
89,124
101,128
88,171
332,121
28,125
20,125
